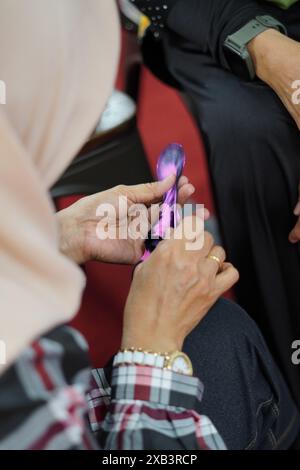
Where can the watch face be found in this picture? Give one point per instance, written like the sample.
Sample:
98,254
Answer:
181,364
237,63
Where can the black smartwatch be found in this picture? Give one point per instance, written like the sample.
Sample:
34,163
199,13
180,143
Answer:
235,45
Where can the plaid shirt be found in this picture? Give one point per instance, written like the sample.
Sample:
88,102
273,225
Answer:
50,399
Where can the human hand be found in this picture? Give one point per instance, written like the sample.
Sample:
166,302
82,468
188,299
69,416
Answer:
78,223
277,63
294,235
173,290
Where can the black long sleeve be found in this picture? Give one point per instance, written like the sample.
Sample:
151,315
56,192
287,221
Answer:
207,23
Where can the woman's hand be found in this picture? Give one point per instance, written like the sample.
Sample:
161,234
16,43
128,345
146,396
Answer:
78,223
294,236
172,291
277,63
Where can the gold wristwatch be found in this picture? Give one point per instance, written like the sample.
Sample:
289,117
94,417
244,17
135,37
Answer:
176,361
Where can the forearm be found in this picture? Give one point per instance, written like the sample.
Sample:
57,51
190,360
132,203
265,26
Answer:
276,59
208,23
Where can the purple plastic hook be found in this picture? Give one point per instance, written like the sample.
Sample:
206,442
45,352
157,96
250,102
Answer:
171,161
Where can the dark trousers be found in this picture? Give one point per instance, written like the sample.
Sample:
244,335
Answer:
253,150
244,393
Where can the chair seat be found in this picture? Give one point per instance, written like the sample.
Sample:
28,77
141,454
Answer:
118,117
119,110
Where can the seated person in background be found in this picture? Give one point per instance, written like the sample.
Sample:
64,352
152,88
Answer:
49,396
250,127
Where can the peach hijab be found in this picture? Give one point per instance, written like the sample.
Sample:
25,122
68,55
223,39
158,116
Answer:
58,60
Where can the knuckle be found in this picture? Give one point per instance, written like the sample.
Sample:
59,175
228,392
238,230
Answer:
185,277
121,188
190,271
181,265
221,251
187,272
151,188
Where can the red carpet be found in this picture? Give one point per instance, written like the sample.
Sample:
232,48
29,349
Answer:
162,119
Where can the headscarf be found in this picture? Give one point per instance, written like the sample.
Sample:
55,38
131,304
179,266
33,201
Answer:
58,59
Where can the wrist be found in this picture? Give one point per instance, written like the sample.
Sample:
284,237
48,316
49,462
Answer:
265,51
69,237
151,344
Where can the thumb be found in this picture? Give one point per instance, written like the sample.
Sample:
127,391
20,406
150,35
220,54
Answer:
151,193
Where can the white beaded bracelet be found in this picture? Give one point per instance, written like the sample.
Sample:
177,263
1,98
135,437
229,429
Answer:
140,358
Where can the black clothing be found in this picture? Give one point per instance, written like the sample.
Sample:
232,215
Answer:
244,393
253,150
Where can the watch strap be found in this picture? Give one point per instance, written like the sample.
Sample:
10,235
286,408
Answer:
139,357
253,28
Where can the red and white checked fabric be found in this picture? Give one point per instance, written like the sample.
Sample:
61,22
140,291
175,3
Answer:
51,399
